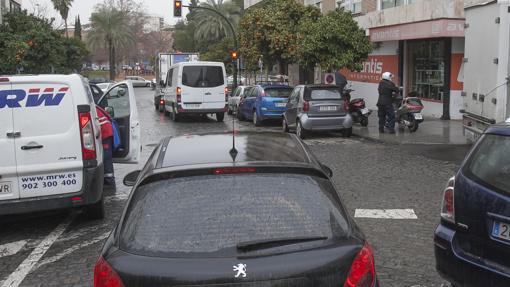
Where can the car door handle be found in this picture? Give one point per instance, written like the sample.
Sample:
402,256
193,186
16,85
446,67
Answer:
207,94
28,147
13,135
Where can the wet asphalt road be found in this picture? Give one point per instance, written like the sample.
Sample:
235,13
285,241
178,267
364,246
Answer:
60,248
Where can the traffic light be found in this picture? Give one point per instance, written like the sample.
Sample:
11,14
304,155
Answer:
177,8
234,55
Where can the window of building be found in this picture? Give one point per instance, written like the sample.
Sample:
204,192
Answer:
391,3
14,7
426,69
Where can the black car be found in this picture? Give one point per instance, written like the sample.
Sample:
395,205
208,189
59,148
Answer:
272,217
472,242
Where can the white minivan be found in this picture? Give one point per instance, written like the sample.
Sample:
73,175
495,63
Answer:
50,142
195,88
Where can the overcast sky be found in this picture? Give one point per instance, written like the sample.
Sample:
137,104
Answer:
162,8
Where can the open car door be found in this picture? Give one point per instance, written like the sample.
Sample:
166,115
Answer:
120,102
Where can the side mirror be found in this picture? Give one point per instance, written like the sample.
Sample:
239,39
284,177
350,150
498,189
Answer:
130,178
121,93
110,111
162,83
327,170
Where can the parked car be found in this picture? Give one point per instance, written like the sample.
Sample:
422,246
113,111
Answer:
139,81
233,100
55,160
97,92
472,241
98,80
195,88
317,108
265,101
192,216
105,86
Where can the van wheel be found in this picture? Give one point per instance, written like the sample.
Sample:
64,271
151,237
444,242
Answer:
220,117
96,210
256,120
175,117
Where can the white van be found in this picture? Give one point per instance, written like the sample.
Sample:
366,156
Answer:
50,142
195,88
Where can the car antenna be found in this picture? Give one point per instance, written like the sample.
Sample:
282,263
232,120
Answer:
233,152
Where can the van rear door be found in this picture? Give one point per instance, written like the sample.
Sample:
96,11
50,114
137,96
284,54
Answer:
203,87
48,149
8,173
120,102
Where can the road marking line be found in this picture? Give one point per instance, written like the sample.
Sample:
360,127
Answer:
16,277
386,213
72,249
11,248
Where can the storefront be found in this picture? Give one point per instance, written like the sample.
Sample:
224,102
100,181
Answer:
426,58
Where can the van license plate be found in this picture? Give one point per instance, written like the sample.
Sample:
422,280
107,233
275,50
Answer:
5,188
501,230
327,108
193,106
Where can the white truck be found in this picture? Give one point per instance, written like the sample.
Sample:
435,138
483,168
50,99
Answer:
163,63
486,66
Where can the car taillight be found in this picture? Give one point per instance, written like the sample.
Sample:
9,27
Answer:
306,106
162,101
88,144
231,170
178,98
179,90
105,276
448,206
362,273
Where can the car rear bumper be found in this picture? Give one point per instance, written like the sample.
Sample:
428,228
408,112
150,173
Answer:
459,268
326,123
271,114
91,192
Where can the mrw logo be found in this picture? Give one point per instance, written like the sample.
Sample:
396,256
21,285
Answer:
240,269
34,97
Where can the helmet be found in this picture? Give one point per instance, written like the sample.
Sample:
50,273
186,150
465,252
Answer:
387,76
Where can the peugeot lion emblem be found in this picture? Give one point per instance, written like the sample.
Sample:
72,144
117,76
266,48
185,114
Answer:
240,269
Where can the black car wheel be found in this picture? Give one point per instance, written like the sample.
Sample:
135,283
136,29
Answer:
220,117
300,131
175,117
256,120
96,210
239,115
285,126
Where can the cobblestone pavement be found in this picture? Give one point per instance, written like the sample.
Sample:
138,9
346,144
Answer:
368,175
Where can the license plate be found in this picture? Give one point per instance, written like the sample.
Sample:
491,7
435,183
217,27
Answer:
365,111
327,108
501,230
193,106
5,188
280,105
418,116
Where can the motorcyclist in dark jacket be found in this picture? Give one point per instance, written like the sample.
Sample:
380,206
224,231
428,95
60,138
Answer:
386,111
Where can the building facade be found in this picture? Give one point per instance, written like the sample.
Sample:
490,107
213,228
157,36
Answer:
9,5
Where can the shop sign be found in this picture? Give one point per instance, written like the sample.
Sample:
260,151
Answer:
419,30
373,68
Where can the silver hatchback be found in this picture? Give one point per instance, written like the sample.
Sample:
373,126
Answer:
317,108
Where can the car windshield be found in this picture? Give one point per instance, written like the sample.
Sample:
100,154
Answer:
202,76
324,94
278,92
490,162
211,214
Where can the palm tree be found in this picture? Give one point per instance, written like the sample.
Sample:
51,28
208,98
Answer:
111,30
210,26
63,6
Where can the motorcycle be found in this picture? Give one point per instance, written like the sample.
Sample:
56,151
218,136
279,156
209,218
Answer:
408,112
357,108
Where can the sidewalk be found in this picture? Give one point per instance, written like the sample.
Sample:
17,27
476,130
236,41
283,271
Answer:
431,131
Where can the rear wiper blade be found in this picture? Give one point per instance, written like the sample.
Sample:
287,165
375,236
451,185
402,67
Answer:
269,243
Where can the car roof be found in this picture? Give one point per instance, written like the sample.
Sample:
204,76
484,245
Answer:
499,129
212,149
274,86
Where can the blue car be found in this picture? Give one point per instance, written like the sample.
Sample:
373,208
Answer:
472,242
264,102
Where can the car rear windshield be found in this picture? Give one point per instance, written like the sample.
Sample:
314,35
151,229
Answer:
490,163
210,215
202,76
278,92
323,94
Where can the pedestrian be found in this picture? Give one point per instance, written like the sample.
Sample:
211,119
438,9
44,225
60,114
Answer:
107,138
386,110
340,80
